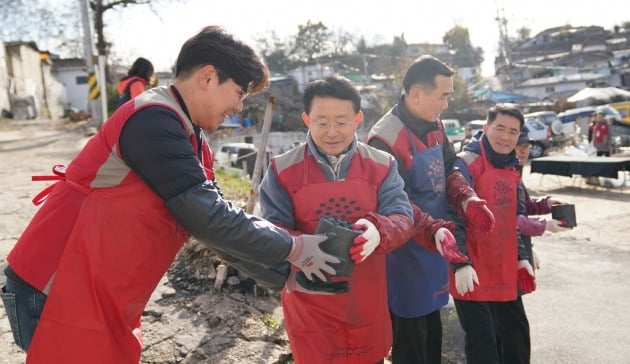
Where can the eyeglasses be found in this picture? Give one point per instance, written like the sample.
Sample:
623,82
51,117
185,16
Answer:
512,133
242,95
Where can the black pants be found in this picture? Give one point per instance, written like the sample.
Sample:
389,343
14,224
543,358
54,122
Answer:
600,153
417,340
495,332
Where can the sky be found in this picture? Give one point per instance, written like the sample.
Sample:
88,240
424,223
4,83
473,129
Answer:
158,35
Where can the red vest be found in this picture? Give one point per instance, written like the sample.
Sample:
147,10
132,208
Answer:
114,241
600,132
394,133
495,254
347,328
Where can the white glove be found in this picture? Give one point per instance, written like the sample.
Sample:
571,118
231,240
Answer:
465,279
555,201
365,243
536,260
439,236
524,263
553,226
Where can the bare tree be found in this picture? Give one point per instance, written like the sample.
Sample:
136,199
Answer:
341,42
275,51
312,42
51,26
458,39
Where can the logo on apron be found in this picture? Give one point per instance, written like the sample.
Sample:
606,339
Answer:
339,207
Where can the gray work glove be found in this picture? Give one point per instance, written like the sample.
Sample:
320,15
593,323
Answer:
309,258
298,282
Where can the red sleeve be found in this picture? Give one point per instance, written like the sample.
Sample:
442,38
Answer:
425,227
458,190
394,230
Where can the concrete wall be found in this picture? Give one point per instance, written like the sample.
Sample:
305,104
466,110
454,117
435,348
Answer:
76,95
4,80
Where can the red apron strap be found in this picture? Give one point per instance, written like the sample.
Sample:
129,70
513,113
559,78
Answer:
59,174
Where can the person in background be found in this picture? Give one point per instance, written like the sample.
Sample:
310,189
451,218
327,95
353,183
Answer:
116,217
601,134
417,274
136,80
485,288
468,136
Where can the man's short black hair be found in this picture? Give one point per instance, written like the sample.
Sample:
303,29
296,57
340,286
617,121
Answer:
232,59
333,86
505,109
423,72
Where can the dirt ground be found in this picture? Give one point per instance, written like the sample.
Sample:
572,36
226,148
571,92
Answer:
576,313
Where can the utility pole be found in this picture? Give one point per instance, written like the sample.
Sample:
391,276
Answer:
504,47
94,88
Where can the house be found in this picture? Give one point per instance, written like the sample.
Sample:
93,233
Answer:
561,86
304,74
26,82
32,90
71,72
560,61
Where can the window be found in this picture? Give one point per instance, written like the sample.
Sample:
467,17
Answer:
550,89
81,80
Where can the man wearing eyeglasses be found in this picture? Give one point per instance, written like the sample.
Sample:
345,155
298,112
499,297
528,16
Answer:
122,209
485,288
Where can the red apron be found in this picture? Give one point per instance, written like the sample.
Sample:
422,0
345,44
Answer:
122,242
494,255
347,328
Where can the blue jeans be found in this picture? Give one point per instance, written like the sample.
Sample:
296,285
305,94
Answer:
24,307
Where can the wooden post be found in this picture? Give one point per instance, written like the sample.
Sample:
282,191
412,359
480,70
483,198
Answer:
262,153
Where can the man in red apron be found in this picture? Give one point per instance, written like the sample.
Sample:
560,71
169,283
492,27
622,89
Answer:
333,174
485,289
121,210
417,275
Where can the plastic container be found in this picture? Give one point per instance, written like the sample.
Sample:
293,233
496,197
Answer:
340,244
565,213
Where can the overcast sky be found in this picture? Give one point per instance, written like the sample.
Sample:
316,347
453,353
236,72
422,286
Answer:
137,31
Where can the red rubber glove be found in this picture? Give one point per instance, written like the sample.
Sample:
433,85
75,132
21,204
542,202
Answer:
446,245
526,277
478,214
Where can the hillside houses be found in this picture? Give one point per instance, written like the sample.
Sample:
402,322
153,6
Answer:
560,61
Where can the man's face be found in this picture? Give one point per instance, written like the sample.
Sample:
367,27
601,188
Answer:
522,153
332,123
503,133
428,104
599,117
218,101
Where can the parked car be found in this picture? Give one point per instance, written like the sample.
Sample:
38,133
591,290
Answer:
582,117
453,129
540,138
561,130
229,153
475,125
